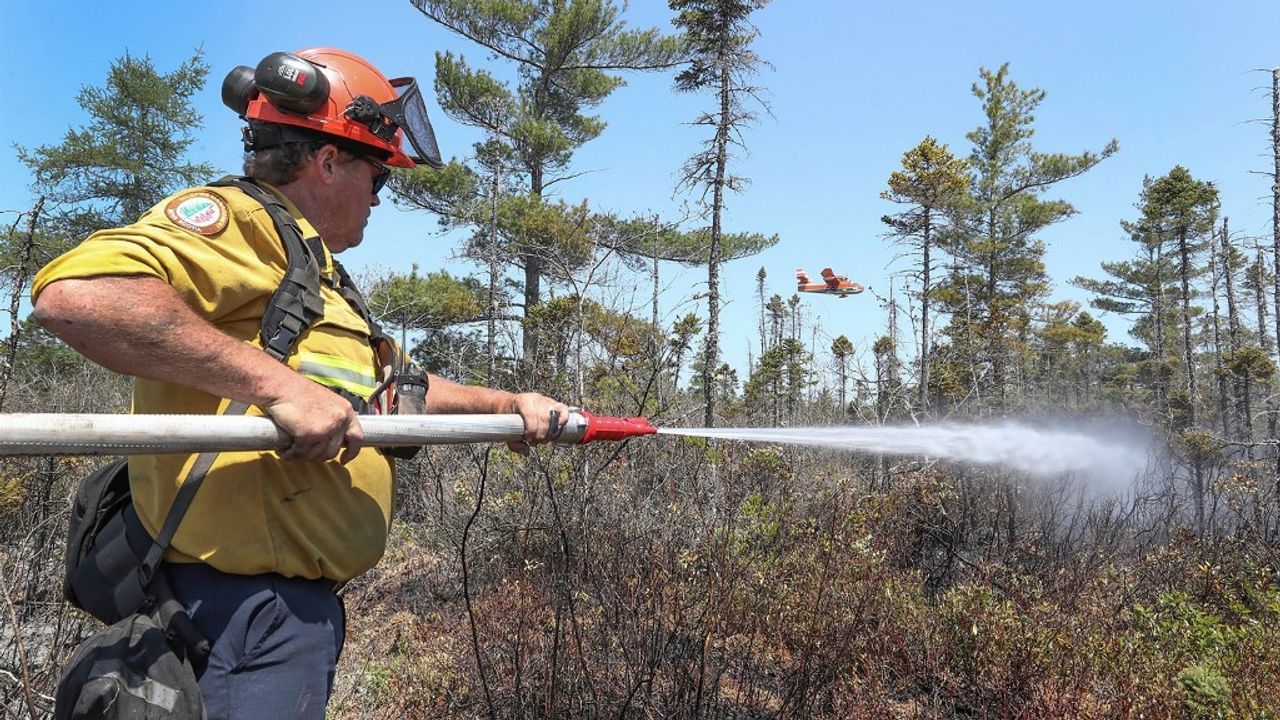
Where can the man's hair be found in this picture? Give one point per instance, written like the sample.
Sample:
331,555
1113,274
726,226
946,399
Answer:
281,164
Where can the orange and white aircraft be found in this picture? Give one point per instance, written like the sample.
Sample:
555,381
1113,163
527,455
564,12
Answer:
832,284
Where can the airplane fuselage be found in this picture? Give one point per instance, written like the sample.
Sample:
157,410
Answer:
838,285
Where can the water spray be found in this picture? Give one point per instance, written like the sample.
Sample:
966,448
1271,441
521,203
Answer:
1113,459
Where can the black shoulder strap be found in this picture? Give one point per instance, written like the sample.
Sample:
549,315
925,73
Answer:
186,493
296,304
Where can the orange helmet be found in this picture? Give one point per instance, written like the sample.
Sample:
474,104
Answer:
321,92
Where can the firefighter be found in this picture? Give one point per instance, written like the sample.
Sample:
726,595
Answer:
195,301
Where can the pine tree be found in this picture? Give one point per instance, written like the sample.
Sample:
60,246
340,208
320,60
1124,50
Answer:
930,182
719,35
760,278
777,313
841,353
1184,210
1000,275
682,334
1143,288
567,55
130,155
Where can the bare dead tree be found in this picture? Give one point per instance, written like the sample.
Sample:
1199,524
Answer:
18,284
1275,233
1216,260
1275,195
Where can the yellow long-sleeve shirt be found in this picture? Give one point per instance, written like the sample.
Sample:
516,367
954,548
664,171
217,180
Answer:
255,512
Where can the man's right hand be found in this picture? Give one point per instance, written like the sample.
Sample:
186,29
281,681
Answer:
321,423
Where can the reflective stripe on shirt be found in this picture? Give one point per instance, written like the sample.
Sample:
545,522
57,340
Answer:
333,371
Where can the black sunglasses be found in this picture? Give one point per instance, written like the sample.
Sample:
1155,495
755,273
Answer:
384,172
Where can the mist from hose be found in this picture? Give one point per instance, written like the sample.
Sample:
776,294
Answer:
1109,461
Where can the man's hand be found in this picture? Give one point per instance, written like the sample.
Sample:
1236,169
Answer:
320,422
535,409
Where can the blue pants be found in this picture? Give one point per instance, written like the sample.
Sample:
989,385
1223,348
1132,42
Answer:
274,642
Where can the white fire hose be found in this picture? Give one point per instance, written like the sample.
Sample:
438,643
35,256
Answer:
85,434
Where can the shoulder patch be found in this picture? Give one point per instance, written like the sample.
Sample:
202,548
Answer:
199,211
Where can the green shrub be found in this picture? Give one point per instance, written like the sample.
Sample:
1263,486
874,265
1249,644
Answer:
1208,693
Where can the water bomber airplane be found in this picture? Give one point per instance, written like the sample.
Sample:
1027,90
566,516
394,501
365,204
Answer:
832,284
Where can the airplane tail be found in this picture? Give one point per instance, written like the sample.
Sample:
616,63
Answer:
802,277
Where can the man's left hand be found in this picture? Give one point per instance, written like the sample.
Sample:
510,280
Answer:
535,409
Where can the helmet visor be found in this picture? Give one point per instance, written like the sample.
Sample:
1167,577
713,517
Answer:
409,113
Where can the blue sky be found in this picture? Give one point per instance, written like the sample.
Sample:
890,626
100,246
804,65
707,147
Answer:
853,86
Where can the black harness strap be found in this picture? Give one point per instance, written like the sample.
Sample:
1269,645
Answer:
296,305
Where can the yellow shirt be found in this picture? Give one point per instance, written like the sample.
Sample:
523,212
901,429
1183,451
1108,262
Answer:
255,512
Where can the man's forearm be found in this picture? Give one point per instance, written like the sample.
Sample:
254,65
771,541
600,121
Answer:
445,397
537,411
140,326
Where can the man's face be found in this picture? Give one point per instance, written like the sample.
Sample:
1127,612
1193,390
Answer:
353,198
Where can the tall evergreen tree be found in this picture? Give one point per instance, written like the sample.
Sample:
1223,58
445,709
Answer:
682,334
841,353
567,55
1184,210
719,35
930,183
1232,260
760,278
777,312
130,154
1000,275
1143,288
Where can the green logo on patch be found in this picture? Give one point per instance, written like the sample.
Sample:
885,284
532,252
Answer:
192,209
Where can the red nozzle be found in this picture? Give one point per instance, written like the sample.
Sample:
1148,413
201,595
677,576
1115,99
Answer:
604,427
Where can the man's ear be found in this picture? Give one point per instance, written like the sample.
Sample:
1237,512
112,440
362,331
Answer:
326,161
